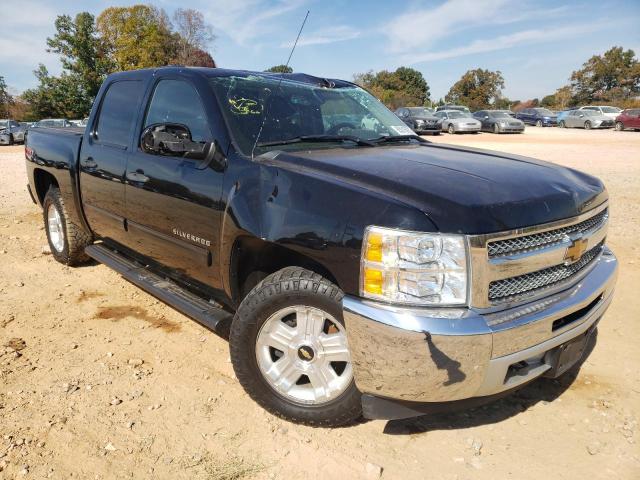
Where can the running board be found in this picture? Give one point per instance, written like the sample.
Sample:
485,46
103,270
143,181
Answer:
191,305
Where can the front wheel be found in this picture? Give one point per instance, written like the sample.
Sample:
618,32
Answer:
496,128
587,125
451,129
538,123
289,349
11,140
619,126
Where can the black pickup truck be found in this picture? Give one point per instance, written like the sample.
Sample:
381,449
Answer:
355,267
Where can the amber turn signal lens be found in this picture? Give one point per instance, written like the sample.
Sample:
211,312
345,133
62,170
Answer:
372,281
374,247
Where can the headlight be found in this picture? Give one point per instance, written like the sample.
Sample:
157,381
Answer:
413,267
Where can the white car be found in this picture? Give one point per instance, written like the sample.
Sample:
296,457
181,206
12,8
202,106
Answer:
606,110
455,121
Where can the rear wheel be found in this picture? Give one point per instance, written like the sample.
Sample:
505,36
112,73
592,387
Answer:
619,126
587,125
66,239
538,123
562,124
451,129
289,349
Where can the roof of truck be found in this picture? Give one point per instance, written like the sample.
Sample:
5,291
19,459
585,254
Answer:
223,72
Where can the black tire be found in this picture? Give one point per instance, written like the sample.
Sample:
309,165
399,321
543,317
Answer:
496,128
562,124
75,238
10,139
539,123
451,129
587,125
287,287
619,126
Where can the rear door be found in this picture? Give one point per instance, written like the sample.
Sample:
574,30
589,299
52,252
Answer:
174,206
103,158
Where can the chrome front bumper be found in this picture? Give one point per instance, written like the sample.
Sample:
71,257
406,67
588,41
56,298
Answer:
449,354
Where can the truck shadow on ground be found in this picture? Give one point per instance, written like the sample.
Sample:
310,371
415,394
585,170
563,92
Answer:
540,390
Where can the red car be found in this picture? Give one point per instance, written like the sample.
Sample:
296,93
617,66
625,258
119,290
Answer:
629,118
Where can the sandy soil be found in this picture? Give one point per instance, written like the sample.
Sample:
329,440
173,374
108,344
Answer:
100,380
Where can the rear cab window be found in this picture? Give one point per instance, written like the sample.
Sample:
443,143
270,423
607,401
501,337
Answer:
118,113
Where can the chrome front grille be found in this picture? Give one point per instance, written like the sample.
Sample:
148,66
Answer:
527,243
501,290
515,267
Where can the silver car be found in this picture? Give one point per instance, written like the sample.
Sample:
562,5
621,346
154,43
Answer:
11,132
455,121
606,110
586,119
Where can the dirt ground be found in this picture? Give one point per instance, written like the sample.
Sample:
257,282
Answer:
100,380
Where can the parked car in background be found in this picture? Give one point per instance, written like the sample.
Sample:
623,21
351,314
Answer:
629,118
455,121
54,123
460,108
420,119
11,132
497,121
561,115
508,112
540,117
586,119
606,110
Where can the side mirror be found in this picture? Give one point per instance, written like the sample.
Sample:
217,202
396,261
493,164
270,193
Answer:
174,140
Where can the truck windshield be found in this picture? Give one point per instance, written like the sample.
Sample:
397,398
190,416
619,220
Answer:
278,111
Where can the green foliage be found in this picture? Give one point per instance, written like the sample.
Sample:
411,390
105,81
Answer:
406,87
280,69
477,89
137,37
122,38
548,101
5,99
82,52
58,97
611,77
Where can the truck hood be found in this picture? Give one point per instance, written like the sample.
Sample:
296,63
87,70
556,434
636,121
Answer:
461,190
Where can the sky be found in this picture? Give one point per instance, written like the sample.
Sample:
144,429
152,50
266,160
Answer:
536,44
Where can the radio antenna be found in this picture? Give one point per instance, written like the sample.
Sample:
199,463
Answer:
264,118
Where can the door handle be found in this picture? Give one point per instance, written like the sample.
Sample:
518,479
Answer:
89,162
137,176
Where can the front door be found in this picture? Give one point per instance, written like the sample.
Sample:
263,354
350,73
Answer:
103,158
174,206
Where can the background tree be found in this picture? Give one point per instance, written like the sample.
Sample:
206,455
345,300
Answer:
62,96
477,89
280,69
548,101
611,77
563,97
405,87
138,37
6,100
195,35
82,52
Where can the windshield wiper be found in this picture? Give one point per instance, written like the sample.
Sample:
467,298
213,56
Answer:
398,138
319,138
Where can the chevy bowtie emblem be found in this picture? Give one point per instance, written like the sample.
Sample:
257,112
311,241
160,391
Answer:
575,250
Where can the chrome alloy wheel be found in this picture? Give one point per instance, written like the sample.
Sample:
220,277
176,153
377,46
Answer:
302,353
56,229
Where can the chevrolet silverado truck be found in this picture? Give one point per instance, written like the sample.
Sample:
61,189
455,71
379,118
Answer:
356,272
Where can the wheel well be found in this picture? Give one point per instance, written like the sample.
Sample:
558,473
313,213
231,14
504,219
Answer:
254,259
43,181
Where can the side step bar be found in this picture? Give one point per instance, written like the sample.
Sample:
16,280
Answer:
165,290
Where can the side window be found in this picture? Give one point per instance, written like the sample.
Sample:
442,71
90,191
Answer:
176,101
118,113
